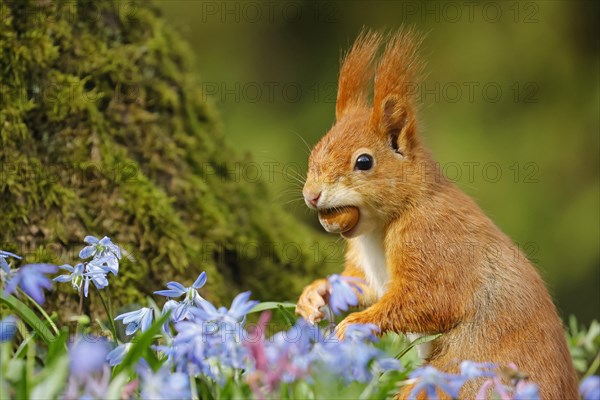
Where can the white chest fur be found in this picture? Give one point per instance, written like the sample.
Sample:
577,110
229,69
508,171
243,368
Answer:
371,255
372,260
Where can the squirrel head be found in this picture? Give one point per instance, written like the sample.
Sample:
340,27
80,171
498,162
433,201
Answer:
372,157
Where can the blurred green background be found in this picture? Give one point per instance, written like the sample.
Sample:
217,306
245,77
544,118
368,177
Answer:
510,108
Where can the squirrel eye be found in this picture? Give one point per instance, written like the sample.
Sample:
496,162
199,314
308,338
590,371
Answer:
364,162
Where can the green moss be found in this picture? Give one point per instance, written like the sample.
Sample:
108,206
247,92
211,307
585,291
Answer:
104,131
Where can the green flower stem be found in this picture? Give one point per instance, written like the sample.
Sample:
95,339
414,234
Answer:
29,367
109,302
27,337
193,388
109,314
80,301
593,367
41,310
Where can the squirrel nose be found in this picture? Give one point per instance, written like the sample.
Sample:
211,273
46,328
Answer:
314,200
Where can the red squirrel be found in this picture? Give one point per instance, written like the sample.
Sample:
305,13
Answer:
432,261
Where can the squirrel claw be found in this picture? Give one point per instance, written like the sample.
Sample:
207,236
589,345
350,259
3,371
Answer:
312,299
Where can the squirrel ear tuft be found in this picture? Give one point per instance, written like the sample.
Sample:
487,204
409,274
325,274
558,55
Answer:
356,72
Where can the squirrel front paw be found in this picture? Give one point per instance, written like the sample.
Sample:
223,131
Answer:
313,297
360,317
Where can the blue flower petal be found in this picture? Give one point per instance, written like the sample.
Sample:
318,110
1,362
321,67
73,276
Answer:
116,356
177,286
90,239
4,265
146,320
43,268
116,250
78,269
200,281
31,287
87,252
590,388
100,281
240,299
67,267
530,391
9,254
112,263
131,328
63,278
168,293
180,311
127,317
12,284
86,286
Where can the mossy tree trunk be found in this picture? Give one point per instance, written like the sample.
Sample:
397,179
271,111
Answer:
104,131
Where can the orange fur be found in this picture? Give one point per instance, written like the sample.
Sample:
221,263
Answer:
433,260
355,72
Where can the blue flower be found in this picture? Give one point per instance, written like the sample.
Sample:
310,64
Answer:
430,379
32,280
343,292
8,328
3,263
189,344
90,373
211,342
528,391
208,348
106,254
99,247
236,313
95,274
355,358
383,364
106,260
139,319
82,274
350,362
87,355
359,333
192,298
170,306
590,388
117,354
76,275
474,370
107,263
164,384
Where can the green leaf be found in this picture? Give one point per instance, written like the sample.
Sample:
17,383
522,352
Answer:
287,315
15,367
154,362
302,390
141,345
116,386
573,325
271,305
52,379
59,346
29,317
19,369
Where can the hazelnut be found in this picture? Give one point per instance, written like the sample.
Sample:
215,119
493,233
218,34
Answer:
339,220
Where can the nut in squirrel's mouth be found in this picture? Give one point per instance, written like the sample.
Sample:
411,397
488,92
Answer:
339,219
